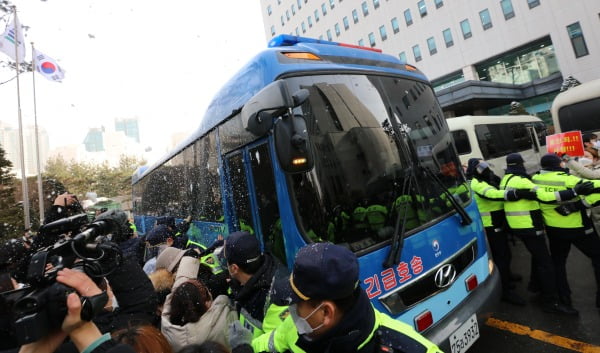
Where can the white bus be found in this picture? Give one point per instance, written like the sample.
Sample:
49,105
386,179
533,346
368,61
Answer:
578,108
493,137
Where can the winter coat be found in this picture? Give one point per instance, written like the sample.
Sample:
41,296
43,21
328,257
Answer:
135,295
213,325
133,248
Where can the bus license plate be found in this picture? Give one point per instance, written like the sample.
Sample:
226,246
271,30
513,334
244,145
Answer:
465,335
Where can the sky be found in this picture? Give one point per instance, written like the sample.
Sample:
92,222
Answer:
161,62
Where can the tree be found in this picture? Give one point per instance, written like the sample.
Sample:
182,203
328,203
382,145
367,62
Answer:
11,213
80,177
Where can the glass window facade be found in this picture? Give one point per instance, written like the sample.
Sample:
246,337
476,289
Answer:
533,3
408,17
372,39
361,42
299,2
383,33
507,9
422,8
329,37
309,20
337,29
376,4
465,27
293,9
448,81
269,10
303,27
317,15
332,3
431,45
534,61
324,9
355,16
395,26
438,3
448,37
402,57
272,31
365,8
577,40
417,53
346,23
486,19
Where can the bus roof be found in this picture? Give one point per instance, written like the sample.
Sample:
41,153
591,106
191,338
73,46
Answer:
272,63
468,120
585,91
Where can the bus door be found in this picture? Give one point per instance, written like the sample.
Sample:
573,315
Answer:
253,195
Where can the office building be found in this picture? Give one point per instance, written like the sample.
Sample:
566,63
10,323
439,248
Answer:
130,127
9,140
480,55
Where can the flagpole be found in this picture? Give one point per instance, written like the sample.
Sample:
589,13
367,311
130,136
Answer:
22,154
37,140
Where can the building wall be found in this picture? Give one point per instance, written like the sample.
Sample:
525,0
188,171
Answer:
549,18
9,139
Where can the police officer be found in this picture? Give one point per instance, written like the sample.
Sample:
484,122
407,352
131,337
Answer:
525,220
490,201
567,224
332,313
253,274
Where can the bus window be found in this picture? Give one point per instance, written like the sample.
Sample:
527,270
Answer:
361,181
205,183
461,141
582,116
240,194
266,198
497,140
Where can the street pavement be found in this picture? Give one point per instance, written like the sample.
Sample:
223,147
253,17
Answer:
528,329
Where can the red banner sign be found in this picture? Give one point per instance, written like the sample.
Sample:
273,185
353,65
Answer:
567,142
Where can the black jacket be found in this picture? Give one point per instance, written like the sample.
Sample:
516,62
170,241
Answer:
253,295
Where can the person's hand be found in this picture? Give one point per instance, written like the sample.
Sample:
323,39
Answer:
65,199
239,335
78,281
584,188
565,157
188,219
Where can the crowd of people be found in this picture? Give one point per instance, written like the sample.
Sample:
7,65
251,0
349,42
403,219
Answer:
168,294
549,211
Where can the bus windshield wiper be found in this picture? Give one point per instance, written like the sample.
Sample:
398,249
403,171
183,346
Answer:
397,245
465,219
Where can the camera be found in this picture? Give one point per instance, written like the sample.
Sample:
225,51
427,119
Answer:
73,243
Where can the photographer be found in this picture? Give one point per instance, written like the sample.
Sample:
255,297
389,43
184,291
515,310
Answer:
65,205
85,335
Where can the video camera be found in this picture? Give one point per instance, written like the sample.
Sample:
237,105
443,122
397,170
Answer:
41,306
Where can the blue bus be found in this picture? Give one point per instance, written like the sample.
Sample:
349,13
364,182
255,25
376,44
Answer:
319,141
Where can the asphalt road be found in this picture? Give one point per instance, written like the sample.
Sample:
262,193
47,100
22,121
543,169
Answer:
529,329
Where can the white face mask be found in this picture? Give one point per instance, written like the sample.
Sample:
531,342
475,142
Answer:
302,325
597,144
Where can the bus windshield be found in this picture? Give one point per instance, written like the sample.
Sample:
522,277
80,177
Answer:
383,156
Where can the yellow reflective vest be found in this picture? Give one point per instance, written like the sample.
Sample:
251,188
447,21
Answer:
553,181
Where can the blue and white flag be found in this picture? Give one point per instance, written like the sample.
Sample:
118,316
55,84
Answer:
47,66
13,35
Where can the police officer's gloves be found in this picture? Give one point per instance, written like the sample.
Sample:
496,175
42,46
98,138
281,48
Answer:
239,335
526,194
568,208
517,194
584,188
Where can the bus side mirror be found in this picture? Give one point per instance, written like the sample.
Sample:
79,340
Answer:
270,102
292,144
